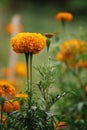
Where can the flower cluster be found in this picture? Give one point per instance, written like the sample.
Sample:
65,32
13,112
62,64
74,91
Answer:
70,49
10,106
28,42
6,89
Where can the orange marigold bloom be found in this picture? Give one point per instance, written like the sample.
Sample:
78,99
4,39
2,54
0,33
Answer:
61,125
64,16
21,95
10,28
16,105
70,49
20,69
28,42
74,46
6,89
10,106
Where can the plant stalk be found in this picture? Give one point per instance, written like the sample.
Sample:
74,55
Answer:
27,69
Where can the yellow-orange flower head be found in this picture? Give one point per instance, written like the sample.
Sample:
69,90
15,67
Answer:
27,42
10,106
70,49
6,89
64,16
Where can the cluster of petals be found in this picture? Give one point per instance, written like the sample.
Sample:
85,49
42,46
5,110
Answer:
27,42
70,49
66,16
10,106
7,89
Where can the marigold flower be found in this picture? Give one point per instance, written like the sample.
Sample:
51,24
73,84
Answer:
20,69
64,16
28,42
10,106
61,125
73,45
70,49
16,105
6,89
10,28
21,95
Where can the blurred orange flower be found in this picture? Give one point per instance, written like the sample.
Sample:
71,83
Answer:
83,64
16,105
10,106
59,56
10,28
7,89
85,88
61,125
70,49
66,16
20,69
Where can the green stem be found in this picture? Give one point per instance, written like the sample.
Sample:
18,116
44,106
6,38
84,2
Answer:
27,68
64,29
31,56
46,99
48,41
